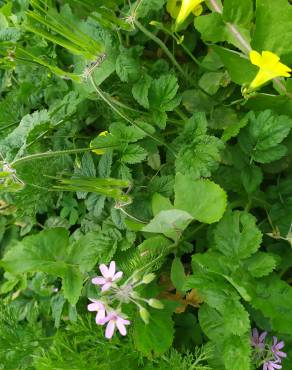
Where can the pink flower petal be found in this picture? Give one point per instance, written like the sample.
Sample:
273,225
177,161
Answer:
109,332
104,270
100,317
106,286
280,345
98,280
118,275
93,307
265,367
121,327
126,322
281,354
112,269
263,336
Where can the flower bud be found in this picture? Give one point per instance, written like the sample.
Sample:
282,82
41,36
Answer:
144,314
155,303
148,278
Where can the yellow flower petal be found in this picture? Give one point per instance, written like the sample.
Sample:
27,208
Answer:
270,67
173,8
255,58
187,7
198,10
100,151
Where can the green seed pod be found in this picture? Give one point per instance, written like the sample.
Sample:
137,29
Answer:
155,303
144,314
148,278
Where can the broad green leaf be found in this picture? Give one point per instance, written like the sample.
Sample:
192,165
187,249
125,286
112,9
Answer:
203,199
239,67
177,274
237,236
261,264
163,93
273,29
127,64
211,82
171,222
237,353
148,6
160,203
72,284
45,251
155,337
238,11
213,28
262,137
251,177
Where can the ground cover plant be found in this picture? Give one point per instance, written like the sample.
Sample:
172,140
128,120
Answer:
145,184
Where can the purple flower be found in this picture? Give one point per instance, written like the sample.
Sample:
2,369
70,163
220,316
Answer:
109,275
99,308
271,365
257,340
276,347
114,320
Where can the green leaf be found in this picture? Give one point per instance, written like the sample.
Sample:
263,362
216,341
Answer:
16,141
171,222
203,199
163,93
155,337
146,7
177,274
237,236
72,284
140,90
133,154
237,353
239,67
211,82
45,251
238,11
273,28
261,264
128,65
251,177
262,137
160,203
126,134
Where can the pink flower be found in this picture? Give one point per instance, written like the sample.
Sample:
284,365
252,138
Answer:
109,275
276,349
271,365
257,340
114,320
99,308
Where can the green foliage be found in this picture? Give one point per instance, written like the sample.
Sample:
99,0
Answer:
127,138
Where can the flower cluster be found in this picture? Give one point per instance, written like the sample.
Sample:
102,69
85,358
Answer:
111,292
268,355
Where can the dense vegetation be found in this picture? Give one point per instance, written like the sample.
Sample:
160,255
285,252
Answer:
145,184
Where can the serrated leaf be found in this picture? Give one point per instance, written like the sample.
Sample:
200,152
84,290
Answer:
127,64
262,137
163,93
238,11
140,90
261,264
251,177
237,353
133,154
237,236
203,199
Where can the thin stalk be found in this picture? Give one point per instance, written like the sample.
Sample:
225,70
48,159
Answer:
163,47
127,119
53,154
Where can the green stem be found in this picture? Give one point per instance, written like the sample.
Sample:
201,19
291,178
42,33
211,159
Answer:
163,47
126,118
51,154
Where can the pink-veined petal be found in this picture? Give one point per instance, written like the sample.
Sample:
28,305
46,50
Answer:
281,354
263,336
118,275
98,280
112,269
121,327
104,270
276,366
124,321
280,345
110,328
106,287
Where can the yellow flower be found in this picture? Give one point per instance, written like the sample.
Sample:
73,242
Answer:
181,12
270,67
100,151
